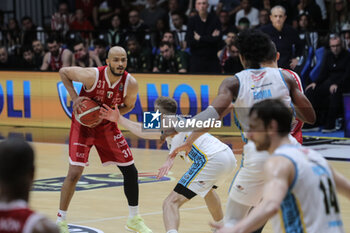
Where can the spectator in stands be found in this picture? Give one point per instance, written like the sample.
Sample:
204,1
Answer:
173,7
87,6
31,31
7,62
81,24
285,37
203,37
308,37
103,12
13,37
152,13
249,12
57,57
136,28
345,33
116,35
263,18
233,63
290,7
226,26
224,53
101,50
310,8
83,57
139,59
168,36
28,61
325,93
61,19
38,50
170,60
243,24
339,15
157,35
180,30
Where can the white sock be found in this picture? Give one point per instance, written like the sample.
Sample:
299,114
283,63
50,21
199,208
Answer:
172,231
220,222
61,216
133,211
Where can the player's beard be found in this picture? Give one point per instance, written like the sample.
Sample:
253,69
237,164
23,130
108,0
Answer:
115,73
55,53
263,145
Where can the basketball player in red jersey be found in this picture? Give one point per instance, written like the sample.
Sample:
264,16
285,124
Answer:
113,86
16,178
297,124
57,57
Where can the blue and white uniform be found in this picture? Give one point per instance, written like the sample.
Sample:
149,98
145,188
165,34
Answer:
255,85
311,203
212,162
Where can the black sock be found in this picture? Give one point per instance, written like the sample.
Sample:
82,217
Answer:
131,185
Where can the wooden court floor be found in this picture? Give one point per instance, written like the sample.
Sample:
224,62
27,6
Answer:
106,209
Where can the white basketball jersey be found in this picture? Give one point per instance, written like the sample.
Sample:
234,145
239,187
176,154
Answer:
206,144
256,85
311,203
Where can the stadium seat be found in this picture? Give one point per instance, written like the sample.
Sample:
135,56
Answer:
307,66
315,72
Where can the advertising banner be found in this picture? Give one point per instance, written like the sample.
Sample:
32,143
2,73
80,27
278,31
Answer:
39,99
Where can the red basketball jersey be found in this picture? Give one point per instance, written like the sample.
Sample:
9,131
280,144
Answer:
16,217
106,137
103,92
298,124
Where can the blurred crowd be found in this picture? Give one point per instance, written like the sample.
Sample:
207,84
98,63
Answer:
191,36
171,35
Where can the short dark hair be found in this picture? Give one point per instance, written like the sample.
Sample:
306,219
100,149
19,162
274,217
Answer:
16,165
26,18
26,48
255,47
76,42
162,43
274,109
166,103
53,39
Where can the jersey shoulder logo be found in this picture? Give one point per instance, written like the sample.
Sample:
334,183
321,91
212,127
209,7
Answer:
258,77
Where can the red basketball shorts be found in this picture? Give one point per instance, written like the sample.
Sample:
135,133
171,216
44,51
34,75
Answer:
106,137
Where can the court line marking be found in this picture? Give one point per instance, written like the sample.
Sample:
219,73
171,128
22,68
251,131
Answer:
144,214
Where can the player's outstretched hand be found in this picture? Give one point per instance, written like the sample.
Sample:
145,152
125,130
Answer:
163,170
186,147
77,104
109,114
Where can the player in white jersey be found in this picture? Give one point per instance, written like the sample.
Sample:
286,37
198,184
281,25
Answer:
260,80
212,161
300,186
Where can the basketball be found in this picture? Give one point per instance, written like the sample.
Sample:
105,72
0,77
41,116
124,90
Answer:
89,113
